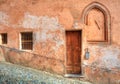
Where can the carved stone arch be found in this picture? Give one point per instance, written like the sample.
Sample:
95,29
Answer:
107,19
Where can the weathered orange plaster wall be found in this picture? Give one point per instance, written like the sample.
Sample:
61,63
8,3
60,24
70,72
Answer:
48,19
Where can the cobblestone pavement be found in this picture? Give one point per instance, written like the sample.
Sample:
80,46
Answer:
15,74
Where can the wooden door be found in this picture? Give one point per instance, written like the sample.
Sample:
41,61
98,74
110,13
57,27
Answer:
73,42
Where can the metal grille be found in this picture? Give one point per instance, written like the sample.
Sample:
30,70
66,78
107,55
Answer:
27,40
4,38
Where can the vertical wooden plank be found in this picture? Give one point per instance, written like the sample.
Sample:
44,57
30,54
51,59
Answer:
73,42
69,53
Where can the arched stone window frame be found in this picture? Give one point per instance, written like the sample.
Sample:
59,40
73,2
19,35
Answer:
107,16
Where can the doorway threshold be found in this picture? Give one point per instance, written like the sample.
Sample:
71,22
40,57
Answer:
74,75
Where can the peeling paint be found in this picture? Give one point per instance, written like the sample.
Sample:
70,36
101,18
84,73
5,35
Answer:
104,56
4,18
43,22
109,58
30,21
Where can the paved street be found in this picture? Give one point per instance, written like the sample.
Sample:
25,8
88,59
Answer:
15,74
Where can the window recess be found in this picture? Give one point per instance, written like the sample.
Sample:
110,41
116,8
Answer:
27,40
3,38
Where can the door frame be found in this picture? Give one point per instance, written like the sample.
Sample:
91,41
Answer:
72,75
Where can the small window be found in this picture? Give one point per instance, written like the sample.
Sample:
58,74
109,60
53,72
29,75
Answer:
27,40
4,38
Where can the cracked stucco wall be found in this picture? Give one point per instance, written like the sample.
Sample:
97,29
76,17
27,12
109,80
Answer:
48,20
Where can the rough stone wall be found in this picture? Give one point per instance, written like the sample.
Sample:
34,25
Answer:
48,20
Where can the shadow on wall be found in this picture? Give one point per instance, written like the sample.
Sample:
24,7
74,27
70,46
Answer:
31,60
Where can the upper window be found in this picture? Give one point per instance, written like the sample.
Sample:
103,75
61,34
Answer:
27,40
4,38
97,19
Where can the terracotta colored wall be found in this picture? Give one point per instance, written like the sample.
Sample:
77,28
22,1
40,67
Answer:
31,60
48,19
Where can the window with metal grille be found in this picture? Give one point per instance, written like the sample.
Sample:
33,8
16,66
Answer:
27,40
4,38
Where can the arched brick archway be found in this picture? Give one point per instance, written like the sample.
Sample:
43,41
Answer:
107,17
